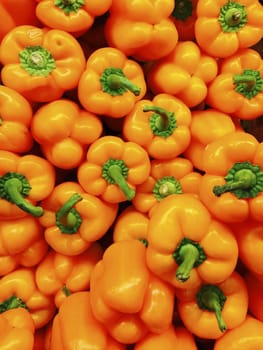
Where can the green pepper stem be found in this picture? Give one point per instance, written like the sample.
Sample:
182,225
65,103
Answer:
13,188
12,303
67,218
232,17
69,6
183,9
162,122
66,291
115,173
249,83
166,186
211,298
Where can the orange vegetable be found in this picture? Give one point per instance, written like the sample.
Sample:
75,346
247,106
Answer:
111,83
17,330
18,289
223,26
212,309
74,219
41,63
74,327
113,169
75,17
15,121
61,275
125,297
184,73
64,132
161,126
24,181
187,246
232,185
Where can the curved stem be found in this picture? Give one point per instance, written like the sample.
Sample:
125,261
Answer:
249,83
162,122
115,173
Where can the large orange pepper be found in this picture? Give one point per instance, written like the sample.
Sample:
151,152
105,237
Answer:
150,32
238,88
21,243
171,339
16,116
185,73
74,219
75,17
64,132
16,12
224,26
161,126
18,289
206,126
232,186
60,275
212,309
125,297
74,327
247,336
187,245
166,177
111,83
41,63
24,181
17,330
113,168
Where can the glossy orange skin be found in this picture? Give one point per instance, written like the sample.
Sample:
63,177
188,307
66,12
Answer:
91,209
65,131
219,157
69,59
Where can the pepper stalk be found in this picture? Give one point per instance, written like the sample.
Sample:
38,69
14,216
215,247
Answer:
162,122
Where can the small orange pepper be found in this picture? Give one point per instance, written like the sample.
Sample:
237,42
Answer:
18,289
15,121
166,177
74,219
213,309
24,181
111,83
64,132
184,253
60,275
161,126
247,336
185,73
113,169
232,186
41,63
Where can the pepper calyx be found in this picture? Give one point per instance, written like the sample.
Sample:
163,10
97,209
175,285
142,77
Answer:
12,303
166,186
162,122
68,6
249,83
232,16
183,9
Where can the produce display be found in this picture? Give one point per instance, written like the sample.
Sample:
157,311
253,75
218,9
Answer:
131,176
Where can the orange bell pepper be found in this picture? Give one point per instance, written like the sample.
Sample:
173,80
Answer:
41,63
65,146
111,83
206,126
185,73
212,309
222,27
24,181
150,32
21,243
113,169
232,186
16,12
130,224
171,339
16,116
186,254
74,327
73,219
167,177
125,297
18,289
255,294
161,126
60,275
17,330
75,17
184,17
238,88
247,336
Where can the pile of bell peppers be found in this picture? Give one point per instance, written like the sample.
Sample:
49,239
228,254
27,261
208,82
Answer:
131,174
